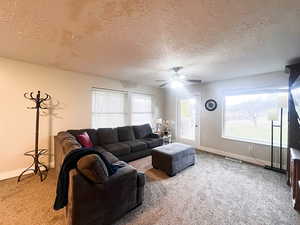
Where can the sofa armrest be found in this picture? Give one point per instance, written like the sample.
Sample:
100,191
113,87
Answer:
123,176
140,187
103,202
141,179
152,135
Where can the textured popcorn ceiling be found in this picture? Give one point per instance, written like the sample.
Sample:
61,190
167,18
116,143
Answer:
139,40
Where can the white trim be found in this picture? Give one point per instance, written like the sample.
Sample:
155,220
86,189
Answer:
252,141
250,91
17,172
248,159
96,89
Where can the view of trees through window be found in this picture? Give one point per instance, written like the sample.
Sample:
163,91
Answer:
246,116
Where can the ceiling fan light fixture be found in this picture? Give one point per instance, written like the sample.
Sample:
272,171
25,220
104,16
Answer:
182,77
176,84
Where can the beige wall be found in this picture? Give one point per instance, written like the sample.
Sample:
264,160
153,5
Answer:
70,90
211,122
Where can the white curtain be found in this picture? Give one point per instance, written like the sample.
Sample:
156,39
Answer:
108,108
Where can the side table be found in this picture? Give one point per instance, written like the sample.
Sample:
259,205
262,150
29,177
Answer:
167,139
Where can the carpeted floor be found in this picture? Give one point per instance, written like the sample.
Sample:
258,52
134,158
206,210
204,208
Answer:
213,192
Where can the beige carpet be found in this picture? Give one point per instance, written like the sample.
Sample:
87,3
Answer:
213,192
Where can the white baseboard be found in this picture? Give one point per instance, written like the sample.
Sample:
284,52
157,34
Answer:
17,172
248,159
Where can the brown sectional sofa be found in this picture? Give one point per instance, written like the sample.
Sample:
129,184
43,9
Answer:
94,197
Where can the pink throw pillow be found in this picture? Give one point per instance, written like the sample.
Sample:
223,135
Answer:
84,140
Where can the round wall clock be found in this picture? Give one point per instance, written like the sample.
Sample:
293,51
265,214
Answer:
210,105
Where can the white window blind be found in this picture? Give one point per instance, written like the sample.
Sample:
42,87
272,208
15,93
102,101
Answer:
108,108
141,109
246,116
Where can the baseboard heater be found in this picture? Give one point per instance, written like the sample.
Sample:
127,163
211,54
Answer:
233,160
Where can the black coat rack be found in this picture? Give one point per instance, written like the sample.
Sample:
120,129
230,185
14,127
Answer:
36,153
272,167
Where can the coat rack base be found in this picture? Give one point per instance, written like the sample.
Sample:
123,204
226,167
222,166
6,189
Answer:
36,167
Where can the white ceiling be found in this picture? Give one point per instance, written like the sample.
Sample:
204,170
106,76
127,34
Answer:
139,40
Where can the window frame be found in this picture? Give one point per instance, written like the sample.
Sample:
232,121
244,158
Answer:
244,92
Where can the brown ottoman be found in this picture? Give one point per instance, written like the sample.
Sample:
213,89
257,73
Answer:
172,158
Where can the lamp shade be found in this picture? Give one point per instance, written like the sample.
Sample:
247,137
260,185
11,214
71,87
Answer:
159,121
273,115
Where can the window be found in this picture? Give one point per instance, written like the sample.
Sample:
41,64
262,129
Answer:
141,109
108,108
246,116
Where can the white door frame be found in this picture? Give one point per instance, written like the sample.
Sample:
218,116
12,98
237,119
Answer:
196,142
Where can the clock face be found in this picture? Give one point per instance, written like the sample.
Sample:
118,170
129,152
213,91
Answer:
210,105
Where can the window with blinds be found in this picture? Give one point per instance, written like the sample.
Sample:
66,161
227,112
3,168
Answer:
109,108
141,109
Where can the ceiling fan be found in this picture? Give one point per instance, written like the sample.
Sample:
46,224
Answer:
178,80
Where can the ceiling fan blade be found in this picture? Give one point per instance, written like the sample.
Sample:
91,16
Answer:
194,81
164,84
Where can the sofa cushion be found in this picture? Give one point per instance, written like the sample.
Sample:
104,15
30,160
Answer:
126,133
84,140
136,145
107,136
118,149
91,132
142,131
152,142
